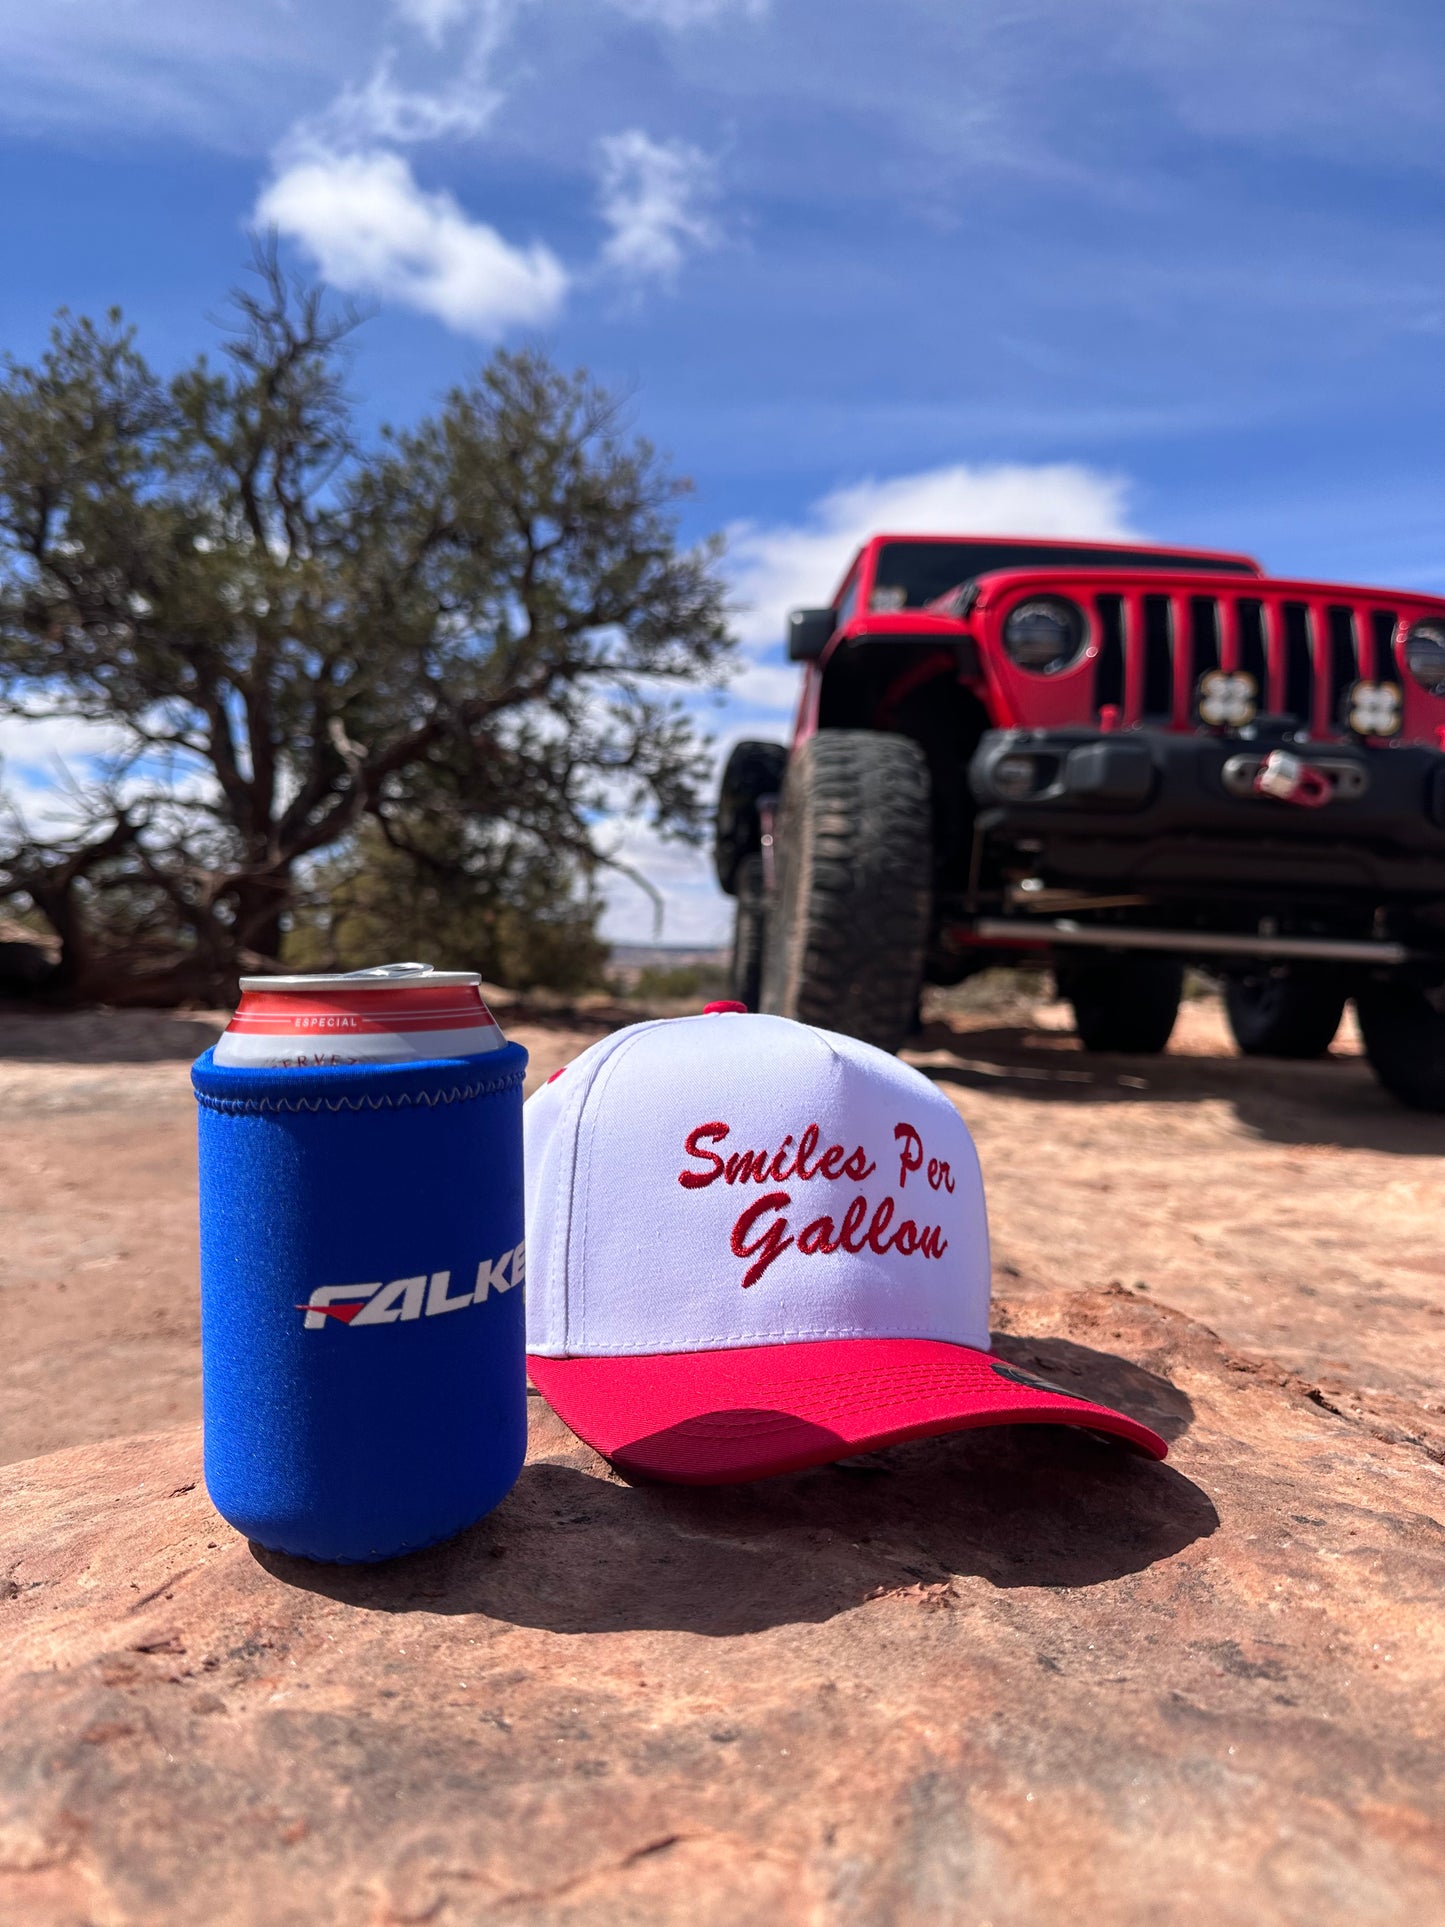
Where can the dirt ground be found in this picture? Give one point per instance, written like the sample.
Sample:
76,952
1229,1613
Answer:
1291,1208
1004,1677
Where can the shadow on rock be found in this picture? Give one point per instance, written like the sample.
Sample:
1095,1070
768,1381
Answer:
1331,1100
1101,1376
34,1035
573,1550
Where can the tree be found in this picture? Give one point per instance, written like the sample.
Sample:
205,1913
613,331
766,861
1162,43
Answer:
481,899
468,636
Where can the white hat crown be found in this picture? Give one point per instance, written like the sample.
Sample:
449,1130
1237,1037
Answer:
704,1183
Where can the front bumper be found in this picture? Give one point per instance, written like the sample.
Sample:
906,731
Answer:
1161,813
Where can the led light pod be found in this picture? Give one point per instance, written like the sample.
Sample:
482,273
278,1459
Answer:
1376,709
1227,698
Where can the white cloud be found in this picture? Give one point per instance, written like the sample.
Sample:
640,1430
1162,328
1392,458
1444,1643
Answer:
433,17
780,567
1336,76
39,756
383,110
681,14
371,229
42,760
455,93
461,94
653,196
770,688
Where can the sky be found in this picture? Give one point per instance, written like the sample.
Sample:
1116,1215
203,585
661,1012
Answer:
1087,267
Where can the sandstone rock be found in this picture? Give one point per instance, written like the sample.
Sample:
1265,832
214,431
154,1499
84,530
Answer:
1011,1677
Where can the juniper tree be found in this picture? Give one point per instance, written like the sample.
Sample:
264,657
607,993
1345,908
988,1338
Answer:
470,632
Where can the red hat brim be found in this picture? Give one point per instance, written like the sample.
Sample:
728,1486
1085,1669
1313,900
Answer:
719,1418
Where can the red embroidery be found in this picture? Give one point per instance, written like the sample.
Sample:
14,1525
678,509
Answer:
819,1235
855,1233
777,1174
695,1180
743,1166
770,1245
852,1218
882,1217
763,1167
910,1158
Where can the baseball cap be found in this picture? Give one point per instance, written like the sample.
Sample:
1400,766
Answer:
754,1246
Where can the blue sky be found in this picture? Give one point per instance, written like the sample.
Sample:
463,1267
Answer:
1085,266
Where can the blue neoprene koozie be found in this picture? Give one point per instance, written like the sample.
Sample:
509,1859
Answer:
362,1329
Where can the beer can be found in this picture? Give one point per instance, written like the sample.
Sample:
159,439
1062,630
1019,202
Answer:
362,1262
393,1014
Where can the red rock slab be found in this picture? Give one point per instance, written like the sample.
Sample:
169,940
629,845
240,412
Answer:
1016,1678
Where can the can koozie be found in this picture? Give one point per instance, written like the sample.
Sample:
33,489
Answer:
362,1325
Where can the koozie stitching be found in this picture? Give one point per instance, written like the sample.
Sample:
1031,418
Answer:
457,1094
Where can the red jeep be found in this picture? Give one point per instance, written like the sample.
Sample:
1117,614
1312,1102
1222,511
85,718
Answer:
1114,760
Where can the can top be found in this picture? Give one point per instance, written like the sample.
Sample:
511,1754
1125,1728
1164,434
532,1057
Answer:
379,977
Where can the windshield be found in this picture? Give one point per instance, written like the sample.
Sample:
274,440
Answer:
911,574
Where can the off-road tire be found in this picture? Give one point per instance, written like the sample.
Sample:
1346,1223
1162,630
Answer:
1126,1004
750,924
1284,1013
1404,1037
848,922
752,770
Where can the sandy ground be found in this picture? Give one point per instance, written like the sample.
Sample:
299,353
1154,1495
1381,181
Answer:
1292,1208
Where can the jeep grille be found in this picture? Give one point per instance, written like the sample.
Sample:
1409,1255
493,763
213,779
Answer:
1304,656
1305,649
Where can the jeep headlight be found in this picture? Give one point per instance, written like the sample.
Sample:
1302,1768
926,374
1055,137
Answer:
1046,634
1425,655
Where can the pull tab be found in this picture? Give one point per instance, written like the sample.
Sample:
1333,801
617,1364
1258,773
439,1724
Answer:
392,970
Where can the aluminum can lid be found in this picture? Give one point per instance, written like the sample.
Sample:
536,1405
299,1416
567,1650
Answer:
379,977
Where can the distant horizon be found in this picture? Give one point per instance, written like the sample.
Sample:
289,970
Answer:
617,950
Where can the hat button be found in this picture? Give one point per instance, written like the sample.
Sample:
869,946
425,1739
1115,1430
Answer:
717,1010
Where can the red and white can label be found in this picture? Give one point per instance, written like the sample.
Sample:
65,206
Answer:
395,1015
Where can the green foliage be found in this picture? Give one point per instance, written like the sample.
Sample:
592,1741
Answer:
509,909
678,983
303,646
